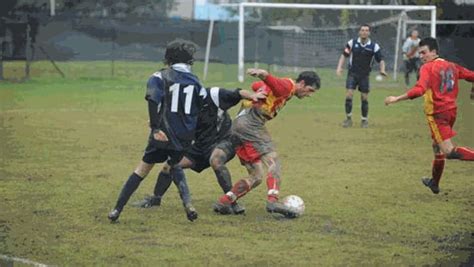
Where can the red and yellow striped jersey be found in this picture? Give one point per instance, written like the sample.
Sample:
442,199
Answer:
277,90
438,83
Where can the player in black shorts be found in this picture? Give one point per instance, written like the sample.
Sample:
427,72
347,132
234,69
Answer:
361,53
175,98
212,147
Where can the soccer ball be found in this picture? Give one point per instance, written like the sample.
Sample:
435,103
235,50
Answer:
379,78
295,204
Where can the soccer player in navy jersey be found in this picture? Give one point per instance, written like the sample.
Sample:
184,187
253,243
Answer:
361,53
212,146
175,97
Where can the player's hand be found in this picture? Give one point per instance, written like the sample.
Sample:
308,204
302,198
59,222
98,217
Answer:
257,73
383,73
160,136
258,96
390,100
339,72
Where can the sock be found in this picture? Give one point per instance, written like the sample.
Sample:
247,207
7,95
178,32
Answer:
365,108
163,182
223,178
127,190
349,107
273,186
179,180
239,190
438,167
462,153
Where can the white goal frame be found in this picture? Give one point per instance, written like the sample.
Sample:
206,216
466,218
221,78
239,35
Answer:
242,7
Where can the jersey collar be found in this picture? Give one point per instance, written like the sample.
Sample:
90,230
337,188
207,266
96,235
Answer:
360,42
182,67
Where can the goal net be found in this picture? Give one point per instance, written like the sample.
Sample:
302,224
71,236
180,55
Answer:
291,37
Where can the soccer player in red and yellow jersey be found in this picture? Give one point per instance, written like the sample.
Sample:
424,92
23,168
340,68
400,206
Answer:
438,83
253,143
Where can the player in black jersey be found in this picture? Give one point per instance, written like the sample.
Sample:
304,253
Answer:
175,97
361,53
212,147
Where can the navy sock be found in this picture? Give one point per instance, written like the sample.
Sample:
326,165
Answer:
128,188
223,177
365,108
348,105
179,180
163,182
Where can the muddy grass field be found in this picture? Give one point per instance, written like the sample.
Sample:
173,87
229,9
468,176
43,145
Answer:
68,145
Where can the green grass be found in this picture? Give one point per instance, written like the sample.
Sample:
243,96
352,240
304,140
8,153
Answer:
68,145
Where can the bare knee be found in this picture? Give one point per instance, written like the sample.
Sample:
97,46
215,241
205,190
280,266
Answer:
349,94
143,169
218,159
166,168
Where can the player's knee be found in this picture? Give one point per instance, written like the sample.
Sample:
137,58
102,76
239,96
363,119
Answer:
255,181
453,154
143,169
166,169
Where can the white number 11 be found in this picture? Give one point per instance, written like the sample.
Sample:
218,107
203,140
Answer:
188,90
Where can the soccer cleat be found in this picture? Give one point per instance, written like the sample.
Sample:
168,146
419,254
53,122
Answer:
428,182
191,212
276,207
148,202
347,123
364,124
114,215
222,208
237,209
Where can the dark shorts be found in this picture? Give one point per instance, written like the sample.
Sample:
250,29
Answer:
355,81
154,155
201,158
412,65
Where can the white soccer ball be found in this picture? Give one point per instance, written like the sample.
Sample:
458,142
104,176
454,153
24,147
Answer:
379,78
295,204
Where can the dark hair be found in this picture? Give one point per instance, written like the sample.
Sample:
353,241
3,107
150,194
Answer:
310,78
431,43
364,25
180,51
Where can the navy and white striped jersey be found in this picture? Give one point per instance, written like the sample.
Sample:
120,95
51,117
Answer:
214,122
361,56
175,98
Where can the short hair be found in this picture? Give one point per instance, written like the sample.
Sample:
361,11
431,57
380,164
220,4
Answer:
310,78
364,25
180,51
431,43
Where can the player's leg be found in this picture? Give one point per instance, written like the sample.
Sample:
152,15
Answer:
272,162
456,152
350,86
179,179
436,171
163,182
132,183
407,72
364,99
241,188
221,154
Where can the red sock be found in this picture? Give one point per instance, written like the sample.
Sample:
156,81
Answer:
438,167
273,185
239,189
464,153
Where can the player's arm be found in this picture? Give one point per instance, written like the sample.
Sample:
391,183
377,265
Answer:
225,98
279,86
465,74
379,58
154,97
345,53
418,90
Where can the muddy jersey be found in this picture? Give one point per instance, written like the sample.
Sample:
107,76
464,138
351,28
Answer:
250,122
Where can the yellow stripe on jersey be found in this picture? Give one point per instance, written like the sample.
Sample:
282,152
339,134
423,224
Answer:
434,129
429,107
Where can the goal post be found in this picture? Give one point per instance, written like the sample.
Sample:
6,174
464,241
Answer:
243,6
